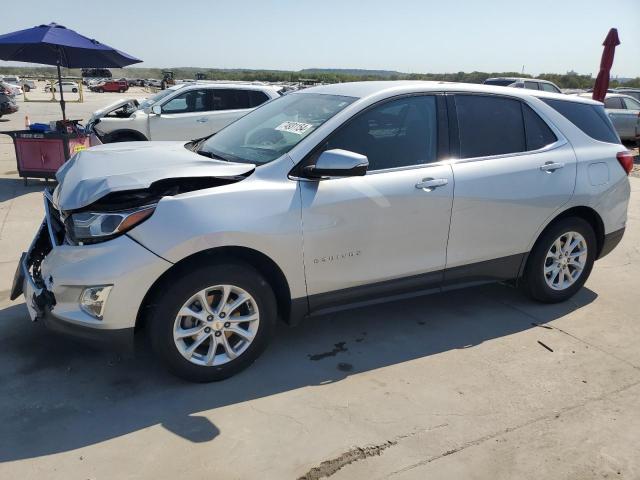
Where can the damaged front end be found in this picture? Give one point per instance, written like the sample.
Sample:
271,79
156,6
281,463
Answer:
103,193
28,279
110,216
118,212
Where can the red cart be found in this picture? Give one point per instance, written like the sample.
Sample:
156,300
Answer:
40,154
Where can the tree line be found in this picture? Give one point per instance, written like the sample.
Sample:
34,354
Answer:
569,80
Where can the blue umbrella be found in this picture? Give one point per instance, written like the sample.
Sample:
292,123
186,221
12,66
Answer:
54,44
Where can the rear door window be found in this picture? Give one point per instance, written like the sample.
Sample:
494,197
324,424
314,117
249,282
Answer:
614,103
547,87
230,99
631,104
489,125
257,97
591,119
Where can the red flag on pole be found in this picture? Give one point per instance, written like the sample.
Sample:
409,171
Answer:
602,82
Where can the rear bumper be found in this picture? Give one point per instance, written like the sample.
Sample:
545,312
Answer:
611,241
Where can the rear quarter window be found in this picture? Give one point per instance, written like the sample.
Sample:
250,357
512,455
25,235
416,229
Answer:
499,82
591,119
257,97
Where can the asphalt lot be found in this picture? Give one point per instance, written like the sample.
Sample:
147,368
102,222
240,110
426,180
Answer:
478,383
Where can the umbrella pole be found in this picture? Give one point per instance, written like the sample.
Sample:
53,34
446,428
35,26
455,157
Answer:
64,116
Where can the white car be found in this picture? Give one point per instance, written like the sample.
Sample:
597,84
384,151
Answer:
10,89
67,86
26,85
181,112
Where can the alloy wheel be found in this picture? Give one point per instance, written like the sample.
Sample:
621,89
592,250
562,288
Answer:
216,325
565,261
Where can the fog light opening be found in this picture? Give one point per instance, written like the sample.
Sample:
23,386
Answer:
94,299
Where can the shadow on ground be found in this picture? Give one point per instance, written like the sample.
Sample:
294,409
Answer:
58,395
15,187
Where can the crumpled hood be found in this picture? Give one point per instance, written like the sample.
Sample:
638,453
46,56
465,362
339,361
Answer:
112,107
91,174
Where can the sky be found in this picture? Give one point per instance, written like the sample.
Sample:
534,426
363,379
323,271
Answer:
544,36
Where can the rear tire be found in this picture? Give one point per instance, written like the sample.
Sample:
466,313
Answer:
221,352
555,270
74,90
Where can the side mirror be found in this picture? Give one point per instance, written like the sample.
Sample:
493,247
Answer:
156,109
337,163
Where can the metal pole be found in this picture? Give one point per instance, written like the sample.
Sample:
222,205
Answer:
64,116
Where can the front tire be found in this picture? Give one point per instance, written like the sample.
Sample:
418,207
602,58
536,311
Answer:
74,90
561,261
213,321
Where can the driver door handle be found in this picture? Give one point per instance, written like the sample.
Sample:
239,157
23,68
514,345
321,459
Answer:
428,184
551,166
203,120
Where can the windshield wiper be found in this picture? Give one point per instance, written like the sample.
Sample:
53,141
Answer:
208,154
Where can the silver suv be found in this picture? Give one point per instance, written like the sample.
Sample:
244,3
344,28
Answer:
323,199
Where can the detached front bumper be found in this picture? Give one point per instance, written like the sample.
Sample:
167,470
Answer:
52,275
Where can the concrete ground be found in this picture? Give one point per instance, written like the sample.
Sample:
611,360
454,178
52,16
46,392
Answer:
475,384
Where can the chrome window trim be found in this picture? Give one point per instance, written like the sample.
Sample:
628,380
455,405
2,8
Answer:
552,146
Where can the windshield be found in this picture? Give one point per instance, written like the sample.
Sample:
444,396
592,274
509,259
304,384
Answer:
273,129
147,102
632,103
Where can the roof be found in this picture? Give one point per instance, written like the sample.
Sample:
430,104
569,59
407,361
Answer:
390,88
246,86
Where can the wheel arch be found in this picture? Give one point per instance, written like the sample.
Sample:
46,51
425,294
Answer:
112,136
288,311
588,214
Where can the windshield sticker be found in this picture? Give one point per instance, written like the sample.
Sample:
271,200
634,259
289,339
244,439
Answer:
294,127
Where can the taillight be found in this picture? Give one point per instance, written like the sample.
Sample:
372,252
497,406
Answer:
626,161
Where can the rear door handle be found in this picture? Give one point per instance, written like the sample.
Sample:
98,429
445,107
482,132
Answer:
551,166
428,184
202,120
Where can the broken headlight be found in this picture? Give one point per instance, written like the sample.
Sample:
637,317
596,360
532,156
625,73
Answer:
91,227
